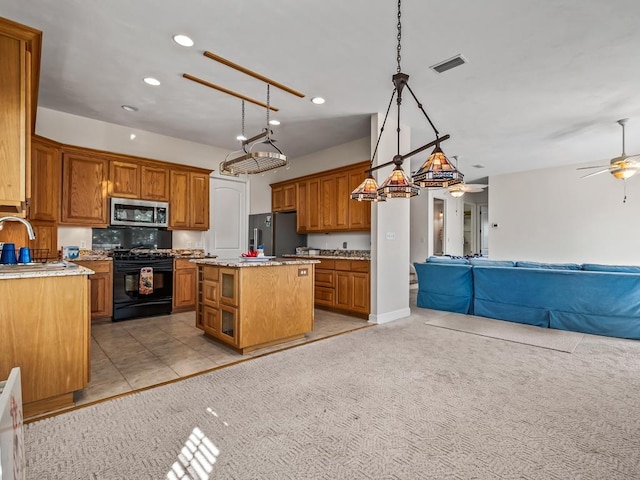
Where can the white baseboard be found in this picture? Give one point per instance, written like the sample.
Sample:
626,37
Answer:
389,316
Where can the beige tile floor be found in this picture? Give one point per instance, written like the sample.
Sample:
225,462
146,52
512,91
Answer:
140,353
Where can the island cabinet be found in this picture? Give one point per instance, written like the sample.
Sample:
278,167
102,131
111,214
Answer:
255,306
343,285
184,285
20,54
45,330
101,287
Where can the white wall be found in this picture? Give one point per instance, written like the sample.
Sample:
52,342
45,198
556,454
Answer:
553,215
85,132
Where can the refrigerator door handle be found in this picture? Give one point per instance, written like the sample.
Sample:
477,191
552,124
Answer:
257,238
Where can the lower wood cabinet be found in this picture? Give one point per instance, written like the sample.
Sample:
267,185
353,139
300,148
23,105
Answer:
101,293
343,285
184,285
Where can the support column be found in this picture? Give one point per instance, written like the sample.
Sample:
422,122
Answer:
390,239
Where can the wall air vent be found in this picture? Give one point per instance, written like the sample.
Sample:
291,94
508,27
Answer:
448,64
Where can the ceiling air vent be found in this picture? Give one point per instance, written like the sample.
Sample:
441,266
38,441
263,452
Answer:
448,64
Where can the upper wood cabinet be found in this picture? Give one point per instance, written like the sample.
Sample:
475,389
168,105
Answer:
154,183
323,201
284,197
124,179
84,189
140,181
189,204
20,54
46,174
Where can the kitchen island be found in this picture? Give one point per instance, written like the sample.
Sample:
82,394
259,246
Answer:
45,330
248,304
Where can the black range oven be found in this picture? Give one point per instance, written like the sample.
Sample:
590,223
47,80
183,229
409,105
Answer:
142,284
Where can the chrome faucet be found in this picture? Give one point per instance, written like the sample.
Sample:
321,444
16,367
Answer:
32,234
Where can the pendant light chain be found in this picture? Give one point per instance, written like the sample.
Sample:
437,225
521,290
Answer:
243,135
268,98
399,37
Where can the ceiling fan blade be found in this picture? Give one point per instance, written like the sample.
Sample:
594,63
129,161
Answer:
595,173
475,185
597,166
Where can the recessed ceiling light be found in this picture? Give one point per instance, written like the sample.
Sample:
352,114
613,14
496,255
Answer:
132,136
183,40
317,100
274,122
129,108
242,138
152,81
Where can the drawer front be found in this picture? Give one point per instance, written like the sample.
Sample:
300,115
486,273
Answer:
324,278
324,296
343,265
327,264
98,266
211,273
181,263
360,265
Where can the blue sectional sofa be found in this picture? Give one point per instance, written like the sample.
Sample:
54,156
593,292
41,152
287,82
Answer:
589,298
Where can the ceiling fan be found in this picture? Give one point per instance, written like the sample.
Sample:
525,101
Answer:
459,189
622,167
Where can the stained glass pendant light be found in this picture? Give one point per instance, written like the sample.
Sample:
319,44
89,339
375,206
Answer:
437,171
398,184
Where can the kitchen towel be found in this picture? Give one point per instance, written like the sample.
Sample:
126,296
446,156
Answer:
146,281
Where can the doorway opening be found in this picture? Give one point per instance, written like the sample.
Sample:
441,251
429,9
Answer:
438,227
470,245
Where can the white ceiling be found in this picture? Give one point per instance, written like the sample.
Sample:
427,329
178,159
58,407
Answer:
545,83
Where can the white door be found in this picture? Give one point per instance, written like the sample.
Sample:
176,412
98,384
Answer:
227,235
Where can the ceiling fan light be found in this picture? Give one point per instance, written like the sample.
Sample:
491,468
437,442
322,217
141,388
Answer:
624,172
456,192
437,171
397,185
367,191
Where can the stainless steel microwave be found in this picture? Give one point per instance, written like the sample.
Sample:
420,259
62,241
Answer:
139,213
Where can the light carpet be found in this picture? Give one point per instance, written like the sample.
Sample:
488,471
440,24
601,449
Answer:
396,401
510,331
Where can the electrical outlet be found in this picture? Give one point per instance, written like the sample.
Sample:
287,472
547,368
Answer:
83,244
344,244
303,272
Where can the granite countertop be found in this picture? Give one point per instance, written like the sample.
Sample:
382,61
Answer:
332,257
53,269
237,262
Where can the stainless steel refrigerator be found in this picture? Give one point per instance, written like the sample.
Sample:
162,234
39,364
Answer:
276,232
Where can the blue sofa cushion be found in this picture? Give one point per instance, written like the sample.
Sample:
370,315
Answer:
448,260
445,287
485,262
551,266
595,267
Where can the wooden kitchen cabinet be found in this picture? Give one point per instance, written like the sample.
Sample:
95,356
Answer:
359,212
199,200
208,301
20,54
189,204
184,285
343,285
46,174
302,207
154,183
284,197
313,205
124,179
101,287
84,189
45,246
139,181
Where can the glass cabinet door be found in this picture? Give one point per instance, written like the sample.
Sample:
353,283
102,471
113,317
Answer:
229,324
229,286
